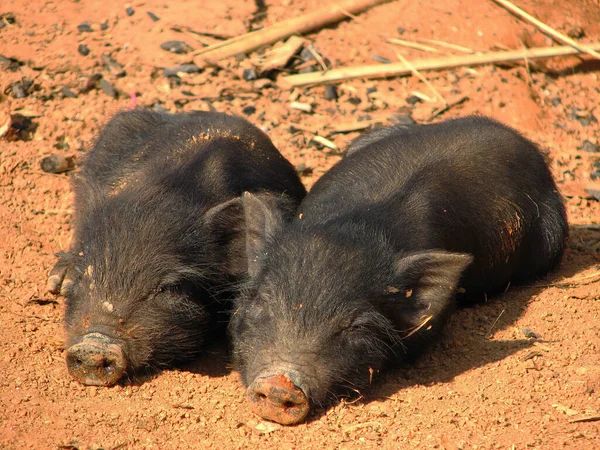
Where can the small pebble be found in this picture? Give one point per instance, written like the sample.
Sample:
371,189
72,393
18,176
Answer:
402,119
307,55
589,147
129,10
306,107
8,63
83,50
355,100
91,82
249,110
380,59
556,101
331,92
104,25
371,90
84,27
413,100
115,68
576,32
153,16
108,88
57,163
594,193
178,47
249,74
307,69
18,91
182,68
303,169
528,333
68,93
401,31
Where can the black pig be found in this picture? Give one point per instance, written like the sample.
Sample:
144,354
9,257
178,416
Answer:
367,271
159,237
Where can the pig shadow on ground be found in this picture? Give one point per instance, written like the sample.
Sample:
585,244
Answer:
214,362
467,341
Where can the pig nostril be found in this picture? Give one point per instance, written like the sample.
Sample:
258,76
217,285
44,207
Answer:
109,368
261,396
288,404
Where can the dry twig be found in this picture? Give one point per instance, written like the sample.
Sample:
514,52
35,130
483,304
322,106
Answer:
388,70
447,45
298,25
546,29
415,45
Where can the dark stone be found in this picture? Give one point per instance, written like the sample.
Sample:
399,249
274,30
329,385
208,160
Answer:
556,101
9,64
401,31
307,55
355,100
84,27
594,193
104,25
83,50
303,170
402,119
371,90
18,91
185,68
68,93
129,10
153,16
178,47
413,100
589,147
249,110
249,74
108,88
330,92
91,82
27,84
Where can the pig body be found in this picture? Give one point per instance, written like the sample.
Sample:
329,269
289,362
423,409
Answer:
159,237
367,271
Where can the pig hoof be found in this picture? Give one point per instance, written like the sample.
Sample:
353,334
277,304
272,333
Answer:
278,399
97,360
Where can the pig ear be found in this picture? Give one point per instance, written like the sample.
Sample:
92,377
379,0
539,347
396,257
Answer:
262,218
425,286
225,223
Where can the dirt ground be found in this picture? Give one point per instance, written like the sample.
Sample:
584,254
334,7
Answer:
514,373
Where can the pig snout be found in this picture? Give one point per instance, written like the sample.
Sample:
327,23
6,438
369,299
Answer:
96,360
277,397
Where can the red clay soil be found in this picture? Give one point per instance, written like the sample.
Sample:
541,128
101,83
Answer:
517,372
